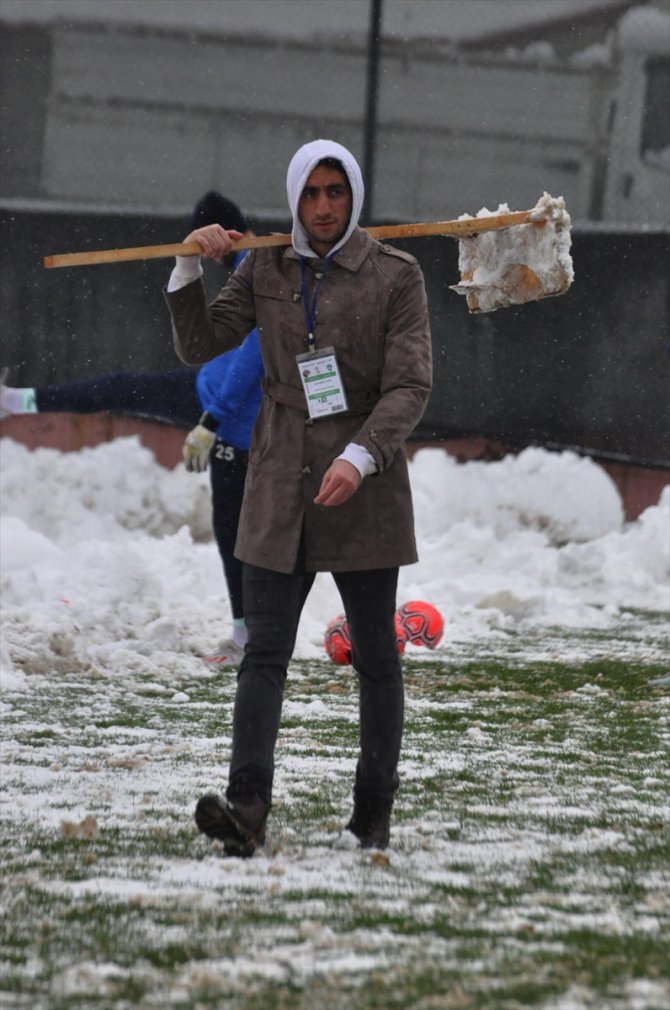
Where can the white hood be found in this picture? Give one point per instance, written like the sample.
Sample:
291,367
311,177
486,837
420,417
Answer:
303,163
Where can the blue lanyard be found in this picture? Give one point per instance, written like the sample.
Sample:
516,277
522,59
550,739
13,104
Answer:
310,310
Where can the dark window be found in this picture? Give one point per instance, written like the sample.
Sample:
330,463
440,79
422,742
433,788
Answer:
656,123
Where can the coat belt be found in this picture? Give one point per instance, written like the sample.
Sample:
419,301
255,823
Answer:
359,401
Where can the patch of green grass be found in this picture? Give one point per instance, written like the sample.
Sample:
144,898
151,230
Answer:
529,843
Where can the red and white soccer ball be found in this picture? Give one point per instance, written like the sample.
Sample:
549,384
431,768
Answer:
337,640
422,623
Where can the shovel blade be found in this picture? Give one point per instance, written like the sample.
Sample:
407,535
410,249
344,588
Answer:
520,264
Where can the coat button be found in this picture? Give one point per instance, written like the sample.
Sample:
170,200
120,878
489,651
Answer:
319,277
306,471
309,420
296,296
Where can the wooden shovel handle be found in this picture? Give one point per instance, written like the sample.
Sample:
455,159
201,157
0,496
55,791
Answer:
154,252
458,229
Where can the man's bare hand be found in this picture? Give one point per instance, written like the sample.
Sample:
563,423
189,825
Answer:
214,240
340,481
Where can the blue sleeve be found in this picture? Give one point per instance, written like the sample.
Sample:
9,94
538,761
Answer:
229,388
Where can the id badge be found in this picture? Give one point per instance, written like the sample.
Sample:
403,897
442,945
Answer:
322,383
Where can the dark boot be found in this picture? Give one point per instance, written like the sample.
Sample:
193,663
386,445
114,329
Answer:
238,820
371,821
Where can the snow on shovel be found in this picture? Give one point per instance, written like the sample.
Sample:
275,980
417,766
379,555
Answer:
506,258
516,265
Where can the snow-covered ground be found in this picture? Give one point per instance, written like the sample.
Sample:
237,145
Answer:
525,843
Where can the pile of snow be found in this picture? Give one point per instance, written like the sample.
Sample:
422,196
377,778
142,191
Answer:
101,569
645,29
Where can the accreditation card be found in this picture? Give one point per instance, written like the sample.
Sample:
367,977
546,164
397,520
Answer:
322,382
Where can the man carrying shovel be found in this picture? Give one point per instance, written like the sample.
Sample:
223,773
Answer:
344,335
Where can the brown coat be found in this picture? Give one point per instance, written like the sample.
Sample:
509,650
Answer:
372,310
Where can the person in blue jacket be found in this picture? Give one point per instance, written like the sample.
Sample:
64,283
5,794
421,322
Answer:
218,402
229,391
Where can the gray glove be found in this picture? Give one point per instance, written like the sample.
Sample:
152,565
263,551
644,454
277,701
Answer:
198,444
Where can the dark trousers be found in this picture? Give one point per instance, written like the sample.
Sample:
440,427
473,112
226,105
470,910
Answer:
170,396
272,606
227,473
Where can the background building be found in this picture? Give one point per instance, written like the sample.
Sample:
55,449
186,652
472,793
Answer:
141,106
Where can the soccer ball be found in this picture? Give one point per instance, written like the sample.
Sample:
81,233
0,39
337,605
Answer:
337,640
422,623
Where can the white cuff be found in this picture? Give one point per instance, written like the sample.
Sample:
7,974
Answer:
186,270
359,457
